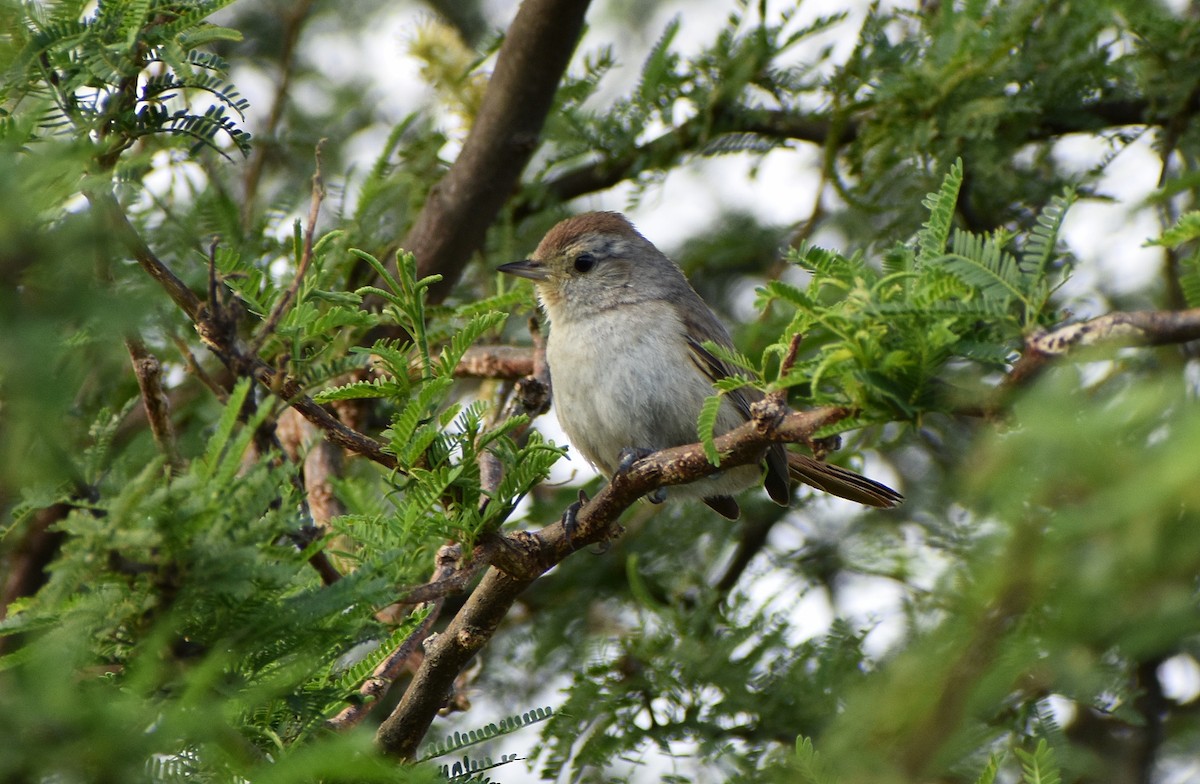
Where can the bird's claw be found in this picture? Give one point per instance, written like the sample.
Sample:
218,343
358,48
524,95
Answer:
570,518
630,455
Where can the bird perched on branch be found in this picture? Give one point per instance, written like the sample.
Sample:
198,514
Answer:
629,368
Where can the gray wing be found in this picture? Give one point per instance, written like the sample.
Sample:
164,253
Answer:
776,481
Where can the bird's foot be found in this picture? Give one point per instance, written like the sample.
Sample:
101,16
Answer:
629,456
570,520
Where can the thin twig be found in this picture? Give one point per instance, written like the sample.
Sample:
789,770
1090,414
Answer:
214,304
214,333
530,398
194,368
310,230
148,371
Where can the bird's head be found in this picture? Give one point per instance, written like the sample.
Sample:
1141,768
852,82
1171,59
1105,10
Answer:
594,262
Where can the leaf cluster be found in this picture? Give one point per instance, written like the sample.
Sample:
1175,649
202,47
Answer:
123,72
888,341
174,592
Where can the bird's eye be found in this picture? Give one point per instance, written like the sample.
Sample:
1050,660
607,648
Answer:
584,262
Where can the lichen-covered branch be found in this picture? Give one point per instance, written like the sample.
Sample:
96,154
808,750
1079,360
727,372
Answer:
1142,327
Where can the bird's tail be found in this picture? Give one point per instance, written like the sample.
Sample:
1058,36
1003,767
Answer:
841,482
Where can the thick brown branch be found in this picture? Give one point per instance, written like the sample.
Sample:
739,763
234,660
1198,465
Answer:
1143,327
452,224
520,558
321,461
502,362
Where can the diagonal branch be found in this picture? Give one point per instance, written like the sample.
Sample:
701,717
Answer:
520,558
456,216
222,342
376,687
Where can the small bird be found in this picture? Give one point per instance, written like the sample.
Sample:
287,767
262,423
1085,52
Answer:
629,370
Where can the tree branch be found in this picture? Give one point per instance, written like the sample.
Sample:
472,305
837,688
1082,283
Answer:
1138,328
697,132
503,362
148,371
521,557
222,342
382,678
460,208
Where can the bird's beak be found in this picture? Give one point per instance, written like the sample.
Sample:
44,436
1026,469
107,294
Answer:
528,268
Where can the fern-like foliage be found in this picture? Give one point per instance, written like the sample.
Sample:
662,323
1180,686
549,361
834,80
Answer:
807,763
880,340
713,98
942,204
461,740
705,427
1039,766
1184,238
88,73
182,588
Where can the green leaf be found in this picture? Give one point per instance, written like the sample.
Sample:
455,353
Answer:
207,34
463,339
225,425
460,740
1041,247
1039,766
935,233
979,262
404,424
807,763
379,388
705,426
1189,279
990,771
1186,229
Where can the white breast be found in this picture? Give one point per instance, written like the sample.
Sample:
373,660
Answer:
624,378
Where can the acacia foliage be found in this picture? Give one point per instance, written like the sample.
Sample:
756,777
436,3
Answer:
1047,553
